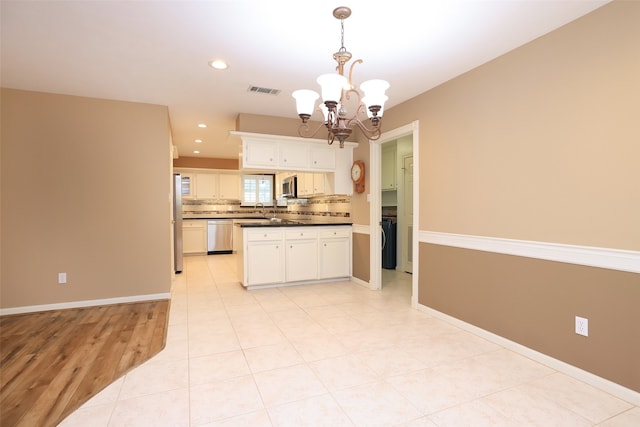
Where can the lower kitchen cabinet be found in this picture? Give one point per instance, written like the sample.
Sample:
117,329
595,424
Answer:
194,237
335,253
264,258
276,256
301,255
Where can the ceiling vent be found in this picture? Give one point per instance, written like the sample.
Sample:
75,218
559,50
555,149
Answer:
265,90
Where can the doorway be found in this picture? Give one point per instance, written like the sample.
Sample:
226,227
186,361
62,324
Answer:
405,140
396,184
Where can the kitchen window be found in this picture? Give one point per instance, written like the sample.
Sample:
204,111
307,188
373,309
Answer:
257,189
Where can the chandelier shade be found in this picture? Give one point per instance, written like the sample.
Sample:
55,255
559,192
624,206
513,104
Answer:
374,91
331,86
339,95
305,101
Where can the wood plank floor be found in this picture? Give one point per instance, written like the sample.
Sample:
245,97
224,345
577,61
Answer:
51,362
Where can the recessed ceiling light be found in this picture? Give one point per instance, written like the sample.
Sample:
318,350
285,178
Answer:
218,64
197,141
202,125
196,152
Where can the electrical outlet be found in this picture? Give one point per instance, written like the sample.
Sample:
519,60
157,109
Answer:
62,278
582,326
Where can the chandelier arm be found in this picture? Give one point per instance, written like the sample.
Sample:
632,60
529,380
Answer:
304,130
371,133
349,92
358,61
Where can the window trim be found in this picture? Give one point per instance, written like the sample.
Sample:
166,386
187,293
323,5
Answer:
256,177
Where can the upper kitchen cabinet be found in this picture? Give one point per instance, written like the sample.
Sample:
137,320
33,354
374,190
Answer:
293,154
260,154
206,186
285,153
229,186
188,187
323,158
388,180
210,185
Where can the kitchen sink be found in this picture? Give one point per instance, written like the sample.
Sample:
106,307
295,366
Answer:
284,221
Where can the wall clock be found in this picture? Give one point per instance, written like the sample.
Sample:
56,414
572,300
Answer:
357,176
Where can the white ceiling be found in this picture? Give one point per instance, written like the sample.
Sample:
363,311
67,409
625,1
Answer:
158,51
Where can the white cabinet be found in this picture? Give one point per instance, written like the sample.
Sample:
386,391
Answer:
321,184
388,172
293,156
335,253
274,256
322,158
301,257
206,186
194,236
188,187
277,152
264,257
305,184
260,154
313,184
210,185
229,186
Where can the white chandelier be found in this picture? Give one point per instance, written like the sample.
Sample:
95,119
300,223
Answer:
336,94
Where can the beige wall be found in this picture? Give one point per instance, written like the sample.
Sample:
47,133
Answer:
205,163
269,125
359,204
534,302
85,190
541,143
360,259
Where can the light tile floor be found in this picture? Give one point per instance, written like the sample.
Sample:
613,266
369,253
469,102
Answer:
333,354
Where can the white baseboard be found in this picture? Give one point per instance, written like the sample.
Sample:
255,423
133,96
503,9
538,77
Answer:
80,304
361,282
603,384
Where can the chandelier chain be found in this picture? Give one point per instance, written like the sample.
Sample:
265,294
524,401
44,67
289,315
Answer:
342,48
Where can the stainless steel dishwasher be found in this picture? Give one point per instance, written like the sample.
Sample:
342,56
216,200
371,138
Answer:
219,236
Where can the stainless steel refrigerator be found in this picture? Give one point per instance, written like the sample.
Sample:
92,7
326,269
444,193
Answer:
177,222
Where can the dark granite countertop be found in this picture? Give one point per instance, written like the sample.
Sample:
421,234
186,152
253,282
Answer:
279,222
260,221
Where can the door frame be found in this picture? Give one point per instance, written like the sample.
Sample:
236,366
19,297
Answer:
375,207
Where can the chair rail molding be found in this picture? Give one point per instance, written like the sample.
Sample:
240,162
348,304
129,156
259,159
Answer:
614,259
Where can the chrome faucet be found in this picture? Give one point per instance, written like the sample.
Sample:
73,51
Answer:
264,211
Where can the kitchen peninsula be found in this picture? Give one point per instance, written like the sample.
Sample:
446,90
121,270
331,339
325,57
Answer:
284,252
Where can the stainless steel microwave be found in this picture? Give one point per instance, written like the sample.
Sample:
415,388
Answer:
289,187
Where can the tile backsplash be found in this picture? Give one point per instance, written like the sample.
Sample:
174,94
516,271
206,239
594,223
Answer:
320,206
